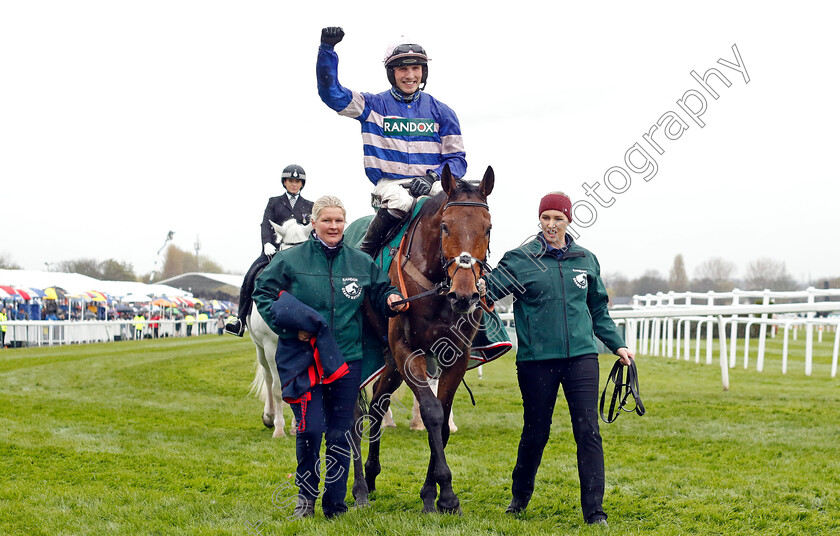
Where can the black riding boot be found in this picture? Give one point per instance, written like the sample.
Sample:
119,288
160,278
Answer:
379,231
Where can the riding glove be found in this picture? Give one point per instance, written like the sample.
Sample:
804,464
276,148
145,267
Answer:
332,35
269,249
421,186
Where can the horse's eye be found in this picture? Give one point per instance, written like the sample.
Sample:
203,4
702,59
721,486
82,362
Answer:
444,228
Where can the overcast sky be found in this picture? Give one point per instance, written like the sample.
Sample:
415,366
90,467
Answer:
121,121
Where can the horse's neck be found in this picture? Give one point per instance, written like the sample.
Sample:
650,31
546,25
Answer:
425,247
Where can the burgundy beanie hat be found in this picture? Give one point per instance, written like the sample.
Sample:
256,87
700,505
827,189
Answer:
557,202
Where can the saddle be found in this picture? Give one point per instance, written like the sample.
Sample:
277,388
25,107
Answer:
355,233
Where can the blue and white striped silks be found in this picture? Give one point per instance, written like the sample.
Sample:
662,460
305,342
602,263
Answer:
400,139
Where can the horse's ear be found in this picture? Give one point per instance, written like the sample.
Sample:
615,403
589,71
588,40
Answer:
447,181
487,182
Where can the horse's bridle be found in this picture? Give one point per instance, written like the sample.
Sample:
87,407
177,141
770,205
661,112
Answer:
464,260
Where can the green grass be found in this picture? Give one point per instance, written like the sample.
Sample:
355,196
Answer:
160,437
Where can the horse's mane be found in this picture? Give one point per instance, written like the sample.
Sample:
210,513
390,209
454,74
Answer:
463,190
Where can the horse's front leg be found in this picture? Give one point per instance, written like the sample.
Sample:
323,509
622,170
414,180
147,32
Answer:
434,419
447,386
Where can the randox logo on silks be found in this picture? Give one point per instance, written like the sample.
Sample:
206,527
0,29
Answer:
581,281
400,126
350,287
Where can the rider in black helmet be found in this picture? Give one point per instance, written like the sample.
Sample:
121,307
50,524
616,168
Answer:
408,135
278,210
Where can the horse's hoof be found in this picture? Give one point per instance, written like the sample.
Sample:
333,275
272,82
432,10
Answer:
453,511
429,510
416,426
268,420
278,432
456,510
453,428
362,502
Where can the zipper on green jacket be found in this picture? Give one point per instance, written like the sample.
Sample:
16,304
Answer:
332,294
565,310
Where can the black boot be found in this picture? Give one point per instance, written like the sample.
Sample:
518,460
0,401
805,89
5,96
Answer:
379,231
305,507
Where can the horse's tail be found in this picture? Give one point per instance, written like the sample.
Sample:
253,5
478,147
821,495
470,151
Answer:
258,387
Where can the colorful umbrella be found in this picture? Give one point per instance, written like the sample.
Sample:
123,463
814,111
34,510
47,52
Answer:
55,293
163,302
10,292
97,296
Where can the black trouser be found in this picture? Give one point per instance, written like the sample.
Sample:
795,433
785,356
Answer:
329,415
248,283
539,382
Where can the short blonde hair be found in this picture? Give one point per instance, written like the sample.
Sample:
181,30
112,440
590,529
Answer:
326,201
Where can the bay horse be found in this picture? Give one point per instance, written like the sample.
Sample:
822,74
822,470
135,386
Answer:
266,384
438,266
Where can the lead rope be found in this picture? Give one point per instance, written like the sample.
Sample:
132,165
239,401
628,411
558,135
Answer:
622,391
472,398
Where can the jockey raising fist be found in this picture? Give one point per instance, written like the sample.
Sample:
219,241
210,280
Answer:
421,133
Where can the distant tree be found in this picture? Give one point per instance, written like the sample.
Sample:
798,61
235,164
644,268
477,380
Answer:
617,284
714,274
7,263
209,266
178,261
768,273
109,269
113,270
678,280
88,267
650,282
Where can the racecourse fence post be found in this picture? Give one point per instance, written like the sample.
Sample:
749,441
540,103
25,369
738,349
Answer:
724,362
733,333
710,330
809,334
762,333
836,348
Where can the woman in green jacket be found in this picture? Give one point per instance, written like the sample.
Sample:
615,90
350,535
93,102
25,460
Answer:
560,306
334,280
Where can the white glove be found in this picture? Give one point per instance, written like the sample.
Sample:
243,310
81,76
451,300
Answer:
269,249
482,287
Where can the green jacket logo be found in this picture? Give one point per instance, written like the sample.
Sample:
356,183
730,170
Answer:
351,288
399,126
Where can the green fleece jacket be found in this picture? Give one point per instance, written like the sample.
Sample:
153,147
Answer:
560,304
334,286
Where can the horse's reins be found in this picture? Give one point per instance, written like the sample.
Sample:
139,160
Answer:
622,391
464,260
